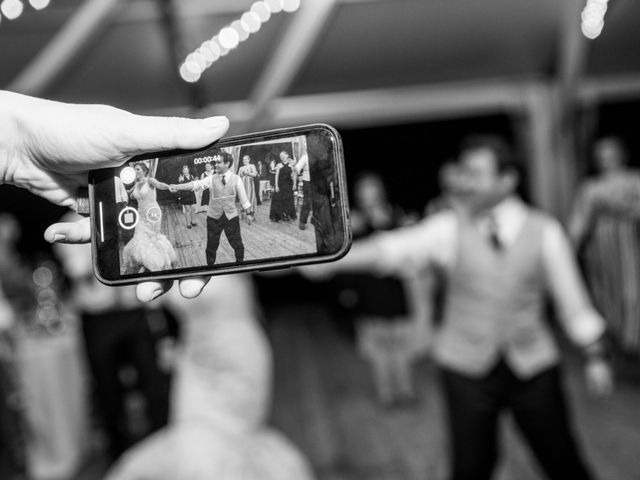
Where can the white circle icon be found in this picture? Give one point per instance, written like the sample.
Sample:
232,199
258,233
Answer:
154,214
128,218
128,175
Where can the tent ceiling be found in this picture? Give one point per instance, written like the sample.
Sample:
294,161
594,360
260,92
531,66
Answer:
365,44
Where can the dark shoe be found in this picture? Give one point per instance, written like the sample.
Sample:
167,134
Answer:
194,224
302,226
188,226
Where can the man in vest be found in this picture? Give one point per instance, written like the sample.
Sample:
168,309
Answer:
494,348
222,214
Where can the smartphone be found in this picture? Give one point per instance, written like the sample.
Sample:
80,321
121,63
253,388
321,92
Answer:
252,202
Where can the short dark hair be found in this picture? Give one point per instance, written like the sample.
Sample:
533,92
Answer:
226,157
506,161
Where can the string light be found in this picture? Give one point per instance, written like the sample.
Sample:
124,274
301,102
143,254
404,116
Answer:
262,10
290,6
593,18
274,5
11,9
251,22
229,37
39,4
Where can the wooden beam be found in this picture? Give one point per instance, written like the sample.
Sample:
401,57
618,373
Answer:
288,57
40,73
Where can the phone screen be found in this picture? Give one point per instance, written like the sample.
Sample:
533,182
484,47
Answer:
242,203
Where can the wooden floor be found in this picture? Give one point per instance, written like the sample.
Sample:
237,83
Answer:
262,239
324,402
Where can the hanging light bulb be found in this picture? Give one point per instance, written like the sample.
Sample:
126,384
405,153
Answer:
11,9
290,6
229,38
251,22
262,10
187,75
274,5
39,4
243,34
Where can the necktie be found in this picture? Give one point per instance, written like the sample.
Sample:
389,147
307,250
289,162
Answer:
224,180
494,234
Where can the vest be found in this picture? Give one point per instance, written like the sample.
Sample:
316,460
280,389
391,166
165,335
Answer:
222,198
494,305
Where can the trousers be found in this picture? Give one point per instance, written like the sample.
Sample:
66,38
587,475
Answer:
540,412
231,228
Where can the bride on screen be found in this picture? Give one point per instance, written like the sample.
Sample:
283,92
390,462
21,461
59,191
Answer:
148,248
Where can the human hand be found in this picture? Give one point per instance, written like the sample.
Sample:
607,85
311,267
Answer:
277,189
599,377
173,188
49,147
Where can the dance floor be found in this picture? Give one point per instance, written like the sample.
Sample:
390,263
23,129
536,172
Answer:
324,402
262,239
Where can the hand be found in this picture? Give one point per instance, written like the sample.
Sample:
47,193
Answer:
277,189
49,147
599,377
173,188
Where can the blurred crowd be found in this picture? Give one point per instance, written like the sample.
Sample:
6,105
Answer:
87,370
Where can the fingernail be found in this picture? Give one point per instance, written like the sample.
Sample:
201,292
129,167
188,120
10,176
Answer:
215,122
57,237
156,294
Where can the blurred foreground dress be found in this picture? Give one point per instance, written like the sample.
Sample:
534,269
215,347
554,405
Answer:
220,400
606,225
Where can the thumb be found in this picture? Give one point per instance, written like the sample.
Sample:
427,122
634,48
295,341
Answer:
139,134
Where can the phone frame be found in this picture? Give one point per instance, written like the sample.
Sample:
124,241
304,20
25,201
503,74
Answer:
96,176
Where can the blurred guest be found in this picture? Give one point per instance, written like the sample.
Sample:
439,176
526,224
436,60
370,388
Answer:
383,329
13,454
283,206
248,173
187,198
494,348
302,168
118,333
220,400
448,180
205,194
259,166
605,227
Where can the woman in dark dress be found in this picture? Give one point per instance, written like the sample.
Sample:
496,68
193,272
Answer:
385,328
282,205
186,198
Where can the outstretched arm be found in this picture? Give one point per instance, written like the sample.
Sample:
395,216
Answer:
158,184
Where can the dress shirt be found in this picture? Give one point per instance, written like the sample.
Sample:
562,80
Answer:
228,177
434,242
302,167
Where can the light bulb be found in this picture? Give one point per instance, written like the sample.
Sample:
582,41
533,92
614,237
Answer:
251,22
187,75
261,9
229,38
12,9
290,5
274,5
39,4
243,34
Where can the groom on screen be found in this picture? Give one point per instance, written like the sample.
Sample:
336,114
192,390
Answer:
222,213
